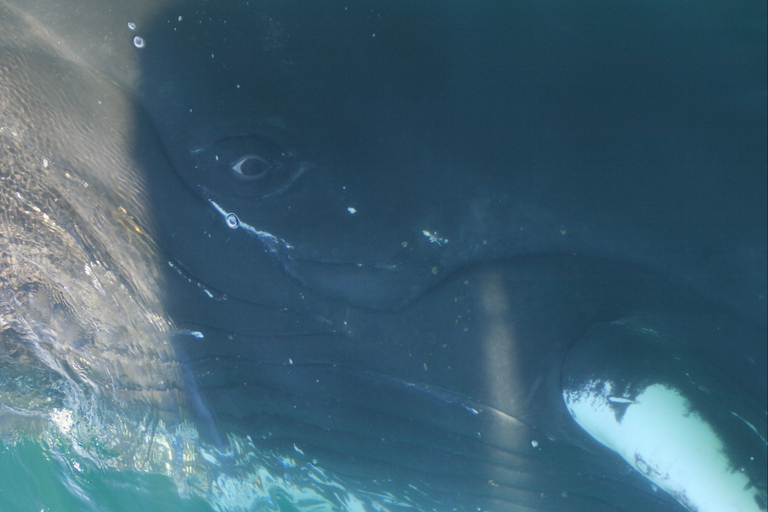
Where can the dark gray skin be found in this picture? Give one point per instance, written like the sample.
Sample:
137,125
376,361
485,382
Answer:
364,340
546,129
528,138
452,392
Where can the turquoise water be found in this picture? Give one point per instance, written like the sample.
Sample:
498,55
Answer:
51,474
34,479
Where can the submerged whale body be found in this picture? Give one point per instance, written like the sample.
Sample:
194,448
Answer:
669,417
411,145
386,257
479,398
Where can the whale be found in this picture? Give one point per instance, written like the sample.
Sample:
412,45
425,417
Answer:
321,153
434,258
479,400
661,414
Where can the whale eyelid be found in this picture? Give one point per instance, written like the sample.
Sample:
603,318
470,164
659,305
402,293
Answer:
290,181
244,166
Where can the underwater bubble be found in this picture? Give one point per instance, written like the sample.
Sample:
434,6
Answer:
138,42
232,221
131,25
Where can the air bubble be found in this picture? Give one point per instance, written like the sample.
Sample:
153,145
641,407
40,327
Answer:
232,221
131,25
138,42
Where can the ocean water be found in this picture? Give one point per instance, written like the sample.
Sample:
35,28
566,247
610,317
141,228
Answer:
36,476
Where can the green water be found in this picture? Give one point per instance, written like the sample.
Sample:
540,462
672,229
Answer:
36,478
33,480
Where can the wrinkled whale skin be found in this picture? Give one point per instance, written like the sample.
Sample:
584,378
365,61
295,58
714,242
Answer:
341,311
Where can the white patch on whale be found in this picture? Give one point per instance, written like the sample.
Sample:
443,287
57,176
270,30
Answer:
668,442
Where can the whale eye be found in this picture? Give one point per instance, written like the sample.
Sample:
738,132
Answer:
252,167
245,167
